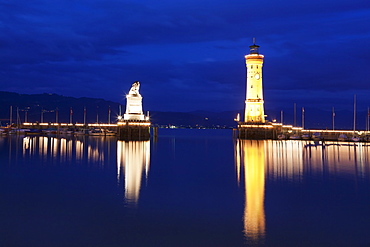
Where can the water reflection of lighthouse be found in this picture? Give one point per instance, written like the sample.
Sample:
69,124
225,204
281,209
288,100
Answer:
250,159
133,158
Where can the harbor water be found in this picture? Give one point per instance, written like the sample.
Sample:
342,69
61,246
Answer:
186,187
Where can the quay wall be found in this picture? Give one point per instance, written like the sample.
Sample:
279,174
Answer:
275,131
127,130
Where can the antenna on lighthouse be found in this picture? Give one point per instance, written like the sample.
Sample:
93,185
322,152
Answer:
254,47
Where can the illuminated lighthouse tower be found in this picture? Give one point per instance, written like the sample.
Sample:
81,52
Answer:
254,110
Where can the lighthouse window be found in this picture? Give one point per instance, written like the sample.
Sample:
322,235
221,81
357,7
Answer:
257,66
251,66
251,86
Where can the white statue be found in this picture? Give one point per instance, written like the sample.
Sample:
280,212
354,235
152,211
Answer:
135,89
134,108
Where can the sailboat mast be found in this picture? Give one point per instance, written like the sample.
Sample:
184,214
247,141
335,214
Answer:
281,116
354,113
18,118
109,115
11,116
295,115
333,117
368,115
84,116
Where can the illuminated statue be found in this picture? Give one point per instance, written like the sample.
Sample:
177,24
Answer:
134,108
135,89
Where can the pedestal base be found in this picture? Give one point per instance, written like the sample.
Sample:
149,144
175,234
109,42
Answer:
133,130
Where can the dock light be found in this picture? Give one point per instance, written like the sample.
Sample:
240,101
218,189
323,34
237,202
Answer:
119,117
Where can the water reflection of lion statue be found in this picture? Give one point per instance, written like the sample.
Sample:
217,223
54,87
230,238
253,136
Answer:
135,88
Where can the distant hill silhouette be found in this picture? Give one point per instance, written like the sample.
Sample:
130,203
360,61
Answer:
97,111
50,103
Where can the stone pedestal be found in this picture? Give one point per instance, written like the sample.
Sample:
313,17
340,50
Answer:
134,109
131,130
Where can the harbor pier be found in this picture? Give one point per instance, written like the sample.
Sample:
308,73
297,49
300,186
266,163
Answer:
66,128
278,131
127,130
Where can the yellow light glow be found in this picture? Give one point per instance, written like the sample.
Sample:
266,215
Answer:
255,126
133,123
134,158
254,56
251,157
290,160
102,125
330,131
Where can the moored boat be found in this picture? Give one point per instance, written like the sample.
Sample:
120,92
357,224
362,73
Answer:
355,138
281,137
294,137
109,133
33,132
316,136
342,137
96,132
305,136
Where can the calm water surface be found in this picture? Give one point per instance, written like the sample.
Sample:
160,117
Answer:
186,188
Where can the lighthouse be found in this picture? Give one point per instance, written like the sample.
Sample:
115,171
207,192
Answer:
254,108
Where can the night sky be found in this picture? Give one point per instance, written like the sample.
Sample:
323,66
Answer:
188,55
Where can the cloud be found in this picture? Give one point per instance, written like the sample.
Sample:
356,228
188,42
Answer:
187,54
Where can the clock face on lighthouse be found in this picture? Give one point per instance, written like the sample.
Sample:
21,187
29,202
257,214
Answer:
257,76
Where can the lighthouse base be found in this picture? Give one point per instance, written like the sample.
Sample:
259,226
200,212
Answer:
256,131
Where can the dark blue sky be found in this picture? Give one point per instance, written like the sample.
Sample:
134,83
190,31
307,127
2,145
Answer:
188,55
